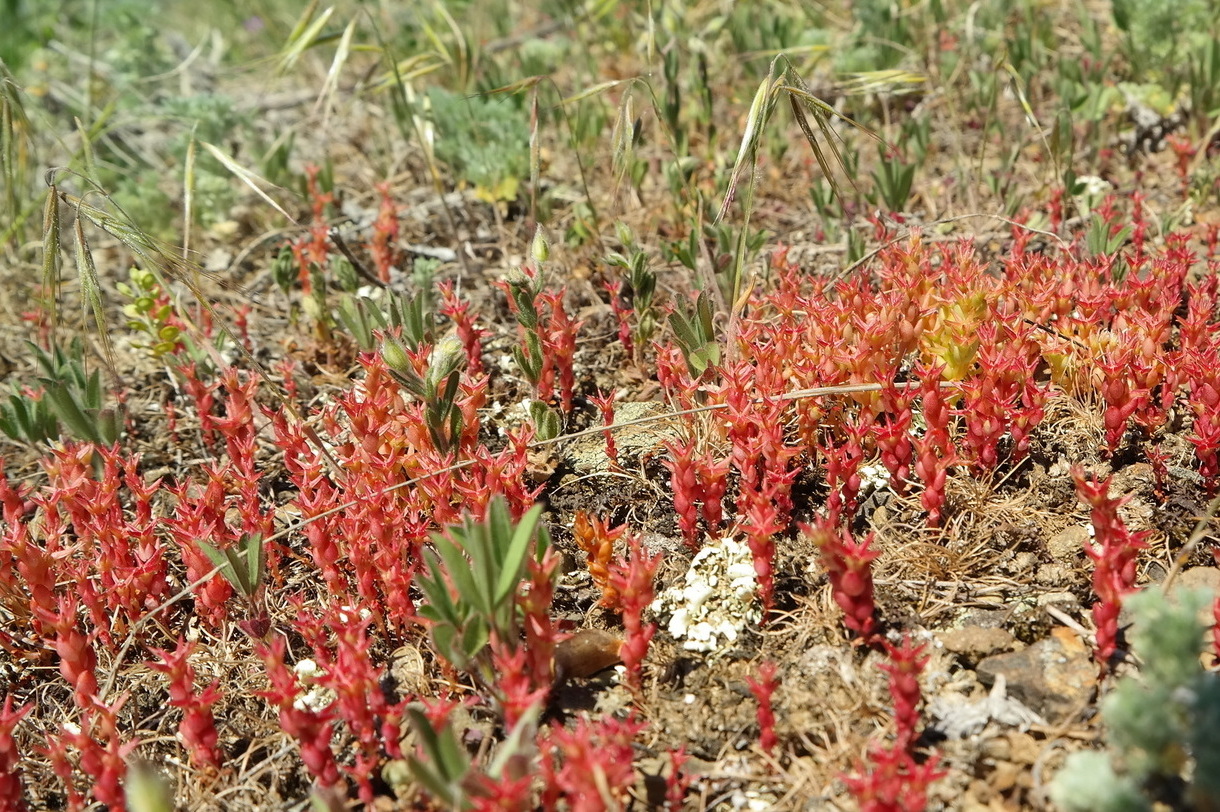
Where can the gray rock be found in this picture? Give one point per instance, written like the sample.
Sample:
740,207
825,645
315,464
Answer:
1055,676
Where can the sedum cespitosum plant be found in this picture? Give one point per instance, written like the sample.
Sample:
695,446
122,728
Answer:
1161,746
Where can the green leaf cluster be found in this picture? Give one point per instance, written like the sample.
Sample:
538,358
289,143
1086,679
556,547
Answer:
437,389
241,565
484,140
893,178
444,768
72,400
471,582
1161,747
145,315
642,281
696,336
410,317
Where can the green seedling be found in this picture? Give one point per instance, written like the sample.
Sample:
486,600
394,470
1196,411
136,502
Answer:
443,766
893,178
696,336
641,280
547,424
410,317
72,399
437,389
1101,239
684,251
28,418
146,313
470,584
524,288
243,565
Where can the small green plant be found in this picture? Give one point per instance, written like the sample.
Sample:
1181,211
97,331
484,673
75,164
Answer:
240,565
684,251
471,582
28,418
524,288
71,399
534,356
387,310
411,315
1161,751
243,566
1101,239
149,312
444,767
732,253
828,206
642,281
484,139
696,336
893,178
1203,81
437,389
1158,35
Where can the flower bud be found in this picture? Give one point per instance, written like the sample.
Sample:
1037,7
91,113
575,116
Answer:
447,358
395,356
540,249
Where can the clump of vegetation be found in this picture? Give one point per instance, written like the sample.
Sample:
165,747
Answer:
889,301
1159,725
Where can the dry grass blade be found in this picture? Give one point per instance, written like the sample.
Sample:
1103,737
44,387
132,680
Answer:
460,57
305,35
889,82
529,83
152,252
336,68
91,291
1018,88
15,150
749,139
801,100
50,255
595,90
622,139
535,156
249,178
188,195
12,114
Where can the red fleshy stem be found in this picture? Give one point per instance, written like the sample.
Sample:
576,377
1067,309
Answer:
633,580
763,689
1114,550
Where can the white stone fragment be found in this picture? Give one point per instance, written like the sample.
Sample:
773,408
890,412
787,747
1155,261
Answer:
715,601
